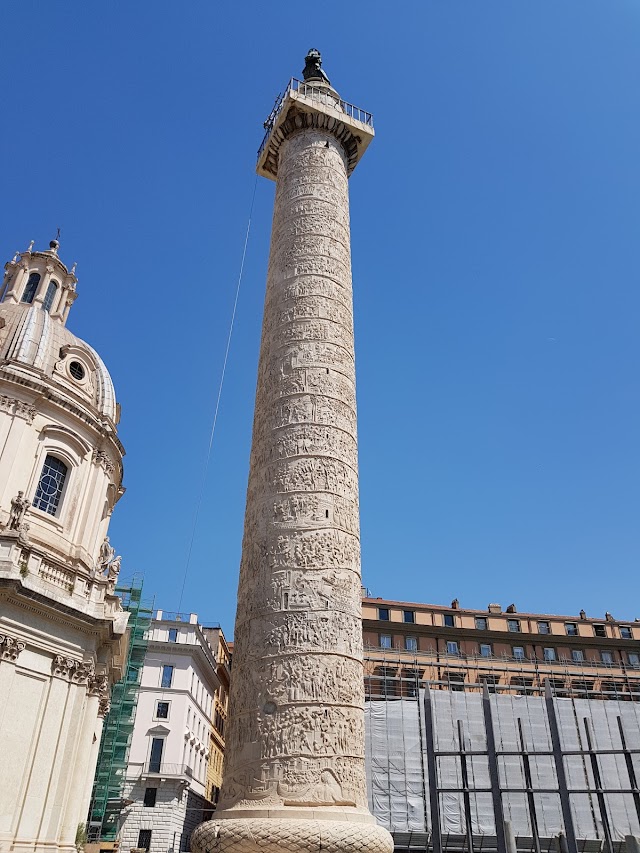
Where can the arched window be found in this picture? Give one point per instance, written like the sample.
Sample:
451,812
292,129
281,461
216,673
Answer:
50,485
50,295
32,286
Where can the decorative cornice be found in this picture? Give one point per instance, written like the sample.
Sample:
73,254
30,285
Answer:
296,121
63,667
77,671
17,407
101,425
99,686
101,457
84,672
10,648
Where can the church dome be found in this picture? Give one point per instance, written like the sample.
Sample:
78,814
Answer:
34,340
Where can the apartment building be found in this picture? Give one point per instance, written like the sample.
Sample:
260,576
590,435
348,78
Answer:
220,712
458,647
166,776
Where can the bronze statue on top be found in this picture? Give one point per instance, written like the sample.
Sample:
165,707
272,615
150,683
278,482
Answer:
312,68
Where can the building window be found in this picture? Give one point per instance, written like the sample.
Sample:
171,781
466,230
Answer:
383,614
577,655
385,641
50,295
162,710
481,623
600,630
491,681
513,625
625,632
455,681
523,684
606,657
452,647
449,620
549,654
571,628
544,627
51,484
409,616
32,285
581,685
155,756
410,682
144,839
634,658
559,687
77,371
150,795
518,652
173,635
486,650
411,644
167,676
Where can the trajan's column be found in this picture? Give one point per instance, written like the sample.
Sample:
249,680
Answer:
294,769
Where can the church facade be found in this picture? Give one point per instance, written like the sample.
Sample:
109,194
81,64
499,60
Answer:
62,628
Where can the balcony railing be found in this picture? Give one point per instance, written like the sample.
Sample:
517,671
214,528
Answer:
156,768
320,95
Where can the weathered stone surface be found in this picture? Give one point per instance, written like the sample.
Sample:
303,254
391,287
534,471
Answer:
294,767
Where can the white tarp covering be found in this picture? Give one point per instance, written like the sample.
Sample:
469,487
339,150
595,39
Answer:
397,772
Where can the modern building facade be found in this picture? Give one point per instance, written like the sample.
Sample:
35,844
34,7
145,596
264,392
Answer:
166,777
62,627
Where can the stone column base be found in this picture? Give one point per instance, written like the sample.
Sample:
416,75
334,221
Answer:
275,835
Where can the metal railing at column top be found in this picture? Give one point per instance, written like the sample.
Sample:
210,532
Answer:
313,93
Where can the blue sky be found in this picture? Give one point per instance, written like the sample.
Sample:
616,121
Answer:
495,225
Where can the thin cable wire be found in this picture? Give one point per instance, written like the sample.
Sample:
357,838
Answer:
217,408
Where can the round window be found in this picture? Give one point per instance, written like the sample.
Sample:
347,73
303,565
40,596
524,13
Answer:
76,370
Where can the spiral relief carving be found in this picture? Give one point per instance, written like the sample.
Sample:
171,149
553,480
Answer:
295,738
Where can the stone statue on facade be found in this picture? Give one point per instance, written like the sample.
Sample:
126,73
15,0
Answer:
19,506
113,570
107,553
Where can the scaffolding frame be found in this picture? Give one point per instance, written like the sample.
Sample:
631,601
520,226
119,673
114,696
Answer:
107,796
393,675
